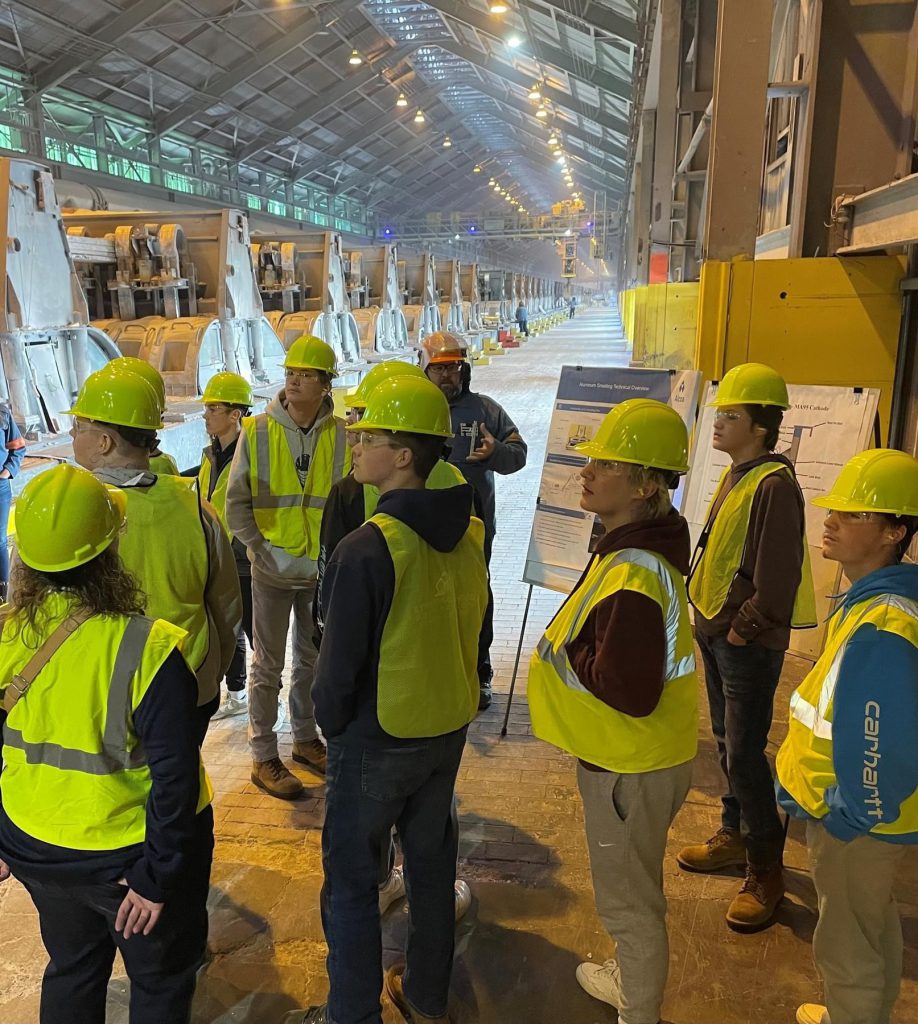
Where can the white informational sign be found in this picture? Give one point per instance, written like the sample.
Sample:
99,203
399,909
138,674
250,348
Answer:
562,533
823,428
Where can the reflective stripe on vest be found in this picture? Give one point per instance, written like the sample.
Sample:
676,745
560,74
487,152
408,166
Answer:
442,476
565,713
115,756
287,512
427,675
805,762
675,667
722,547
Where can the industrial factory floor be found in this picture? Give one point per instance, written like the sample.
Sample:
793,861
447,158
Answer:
523,850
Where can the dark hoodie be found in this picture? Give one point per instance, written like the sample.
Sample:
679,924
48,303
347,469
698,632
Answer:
760,601
620,653
357,592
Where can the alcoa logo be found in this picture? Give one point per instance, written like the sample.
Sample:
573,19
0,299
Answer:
443,587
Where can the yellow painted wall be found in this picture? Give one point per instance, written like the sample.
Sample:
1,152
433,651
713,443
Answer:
660,320
816,321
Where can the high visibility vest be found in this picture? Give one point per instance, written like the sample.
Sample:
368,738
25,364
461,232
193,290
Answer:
428,655
165,547
442,476
804,764
75,773
565,713
720,550
163,465
218,498
288,513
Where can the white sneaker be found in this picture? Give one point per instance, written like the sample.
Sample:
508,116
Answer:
601,981
234,703
463,898
281,715
812,1013
392,890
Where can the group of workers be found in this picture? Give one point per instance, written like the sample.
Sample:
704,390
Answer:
133,590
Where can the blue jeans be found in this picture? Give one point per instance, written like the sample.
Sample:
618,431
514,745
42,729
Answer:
741,683
6,497
370,789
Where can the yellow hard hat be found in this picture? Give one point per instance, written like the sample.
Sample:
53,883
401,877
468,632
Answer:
881,480
442,347
143,369
407,404
644,432
311,353
65,517
357,399
230,388
121,397
751,384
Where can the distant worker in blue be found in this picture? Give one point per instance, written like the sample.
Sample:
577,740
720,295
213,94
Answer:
849,764
486,442
13,452
522,318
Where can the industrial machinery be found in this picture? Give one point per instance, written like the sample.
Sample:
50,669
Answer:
418,282
376,302
188,289
275,269
47,345
319,271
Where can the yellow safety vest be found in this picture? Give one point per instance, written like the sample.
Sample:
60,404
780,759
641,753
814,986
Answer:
804,764
564,712
720,551
164,465
75,771
442,476
428,655
218,498
289,514
165,547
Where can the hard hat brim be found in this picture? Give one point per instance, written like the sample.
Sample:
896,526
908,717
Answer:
596,451
318,369
115,423
718,404
837,503
366,424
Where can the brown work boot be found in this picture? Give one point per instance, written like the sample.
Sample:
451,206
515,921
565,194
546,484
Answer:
275,778
312,754
395,992
755,904
724,849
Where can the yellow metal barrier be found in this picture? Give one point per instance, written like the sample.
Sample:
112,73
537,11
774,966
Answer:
660,321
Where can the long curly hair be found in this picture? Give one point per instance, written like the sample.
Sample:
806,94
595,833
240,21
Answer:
102,586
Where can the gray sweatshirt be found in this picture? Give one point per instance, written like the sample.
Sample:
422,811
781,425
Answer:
220,590
271,564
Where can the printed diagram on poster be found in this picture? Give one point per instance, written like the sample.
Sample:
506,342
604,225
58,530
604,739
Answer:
823,428
562,533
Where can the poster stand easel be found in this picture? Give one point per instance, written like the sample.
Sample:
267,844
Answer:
516,663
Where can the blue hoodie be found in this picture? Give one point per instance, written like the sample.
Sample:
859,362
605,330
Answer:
882,667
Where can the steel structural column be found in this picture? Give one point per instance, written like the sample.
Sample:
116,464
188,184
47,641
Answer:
669,30
643,193
738,129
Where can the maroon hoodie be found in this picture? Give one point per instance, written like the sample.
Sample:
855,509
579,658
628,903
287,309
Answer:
620,653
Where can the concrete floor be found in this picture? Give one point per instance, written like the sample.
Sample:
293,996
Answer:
523,850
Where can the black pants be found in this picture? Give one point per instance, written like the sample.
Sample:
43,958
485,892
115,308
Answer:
486,636
369,790
77,925
524,327
741,684
236,674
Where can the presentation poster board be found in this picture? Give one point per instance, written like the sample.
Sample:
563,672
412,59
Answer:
562,533
823,428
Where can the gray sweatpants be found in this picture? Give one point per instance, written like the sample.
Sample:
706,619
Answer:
627,822
271,609
857,944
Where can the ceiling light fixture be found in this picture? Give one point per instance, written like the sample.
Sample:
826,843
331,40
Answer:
419,117
514,41
355,58
447,142
402,100
497,7
553,141
535,93
476,169
542,113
